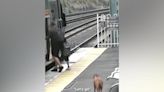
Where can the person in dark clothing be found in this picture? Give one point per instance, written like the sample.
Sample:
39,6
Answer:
57,41
64,24
66,58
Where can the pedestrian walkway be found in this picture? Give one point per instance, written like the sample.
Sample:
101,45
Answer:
79,79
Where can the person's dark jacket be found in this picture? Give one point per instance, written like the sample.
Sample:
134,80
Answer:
56,34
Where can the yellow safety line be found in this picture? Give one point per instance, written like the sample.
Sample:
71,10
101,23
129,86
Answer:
67,77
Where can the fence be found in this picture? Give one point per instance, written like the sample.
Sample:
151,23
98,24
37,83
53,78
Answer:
107,31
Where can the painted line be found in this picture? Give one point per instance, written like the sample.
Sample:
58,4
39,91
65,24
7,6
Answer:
114,74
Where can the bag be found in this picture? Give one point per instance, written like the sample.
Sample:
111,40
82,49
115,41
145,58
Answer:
66,49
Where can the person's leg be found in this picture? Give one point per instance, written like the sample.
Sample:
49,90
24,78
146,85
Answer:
67,60
60,48
57,61
55,52
55,66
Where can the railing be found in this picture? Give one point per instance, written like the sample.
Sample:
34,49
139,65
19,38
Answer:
107,31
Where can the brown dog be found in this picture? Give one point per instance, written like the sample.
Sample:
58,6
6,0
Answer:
98,83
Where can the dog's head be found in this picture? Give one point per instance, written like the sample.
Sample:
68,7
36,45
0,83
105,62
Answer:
96,75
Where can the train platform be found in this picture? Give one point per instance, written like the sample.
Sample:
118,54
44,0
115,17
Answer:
84,64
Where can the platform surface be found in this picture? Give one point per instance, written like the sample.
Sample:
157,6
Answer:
79,79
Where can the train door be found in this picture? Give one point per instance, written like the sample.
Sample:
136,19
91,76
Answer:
55,10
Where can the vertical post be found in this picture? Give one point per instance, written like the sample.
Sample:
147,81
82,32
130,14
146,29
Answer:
114,36
118,37
107,36
47,40
106,31
111,37
98,30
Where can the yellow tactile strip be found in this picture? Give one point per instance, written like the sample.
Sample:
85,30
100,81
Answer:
66,77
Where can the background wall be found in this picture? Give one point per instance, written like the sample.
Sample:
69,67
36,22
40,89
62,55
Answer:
22,46
141,46
73,6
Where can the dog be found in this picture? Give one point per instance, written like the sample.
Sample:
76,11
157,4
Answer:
98,83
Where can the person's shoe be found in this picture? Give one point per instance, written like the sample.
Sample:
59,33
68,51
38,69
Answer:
60,68
54,70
